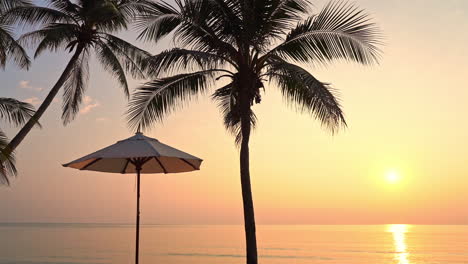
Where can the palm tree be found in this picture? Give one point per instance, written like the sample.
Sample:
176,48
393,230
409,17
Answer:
16,113
249,43
9,47
80,27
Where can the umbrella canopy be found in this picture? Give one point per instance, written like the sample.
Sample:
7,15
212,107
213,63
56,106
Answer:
122,157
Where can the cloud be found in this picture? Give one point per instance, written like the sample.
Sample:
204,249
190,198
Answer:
89,105
88,108
102,119
33,100
87,99
27,85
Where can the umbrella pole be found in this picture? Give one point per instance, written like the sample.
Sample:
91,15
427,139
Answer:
137,247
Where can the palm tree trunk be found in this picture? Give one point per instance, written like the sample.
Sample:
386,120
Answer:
47,101
249,217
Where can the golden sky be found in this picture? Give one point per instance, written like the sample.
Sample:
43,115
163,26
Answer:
406,115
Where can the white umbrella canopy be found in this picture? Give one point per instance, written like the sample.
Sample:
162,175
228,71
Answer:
136,155
125,155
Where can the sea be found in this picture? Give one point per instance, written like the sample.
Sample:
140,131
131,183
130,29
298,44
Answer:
24,243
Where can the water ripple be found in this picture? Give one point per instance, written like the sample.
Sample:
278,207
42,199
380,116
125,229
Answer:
243,256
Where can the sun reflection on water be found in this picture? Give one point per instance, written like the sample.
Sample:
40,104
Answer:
399,236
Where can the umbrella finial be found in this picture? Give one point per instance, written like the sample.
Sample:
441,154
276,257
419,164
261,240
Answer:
139,129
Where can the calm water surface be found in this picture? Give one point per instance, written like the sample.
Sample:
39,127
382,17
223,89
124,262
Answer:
102,243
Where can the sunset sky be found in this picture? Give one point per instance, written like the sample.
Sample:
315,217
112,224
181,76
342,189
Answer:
407,118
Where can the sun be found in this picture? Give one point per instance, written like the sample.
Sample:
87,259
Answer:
392,177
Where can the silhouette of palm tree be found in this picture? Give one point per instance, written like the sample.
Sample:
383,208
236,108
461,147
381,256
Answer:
249,43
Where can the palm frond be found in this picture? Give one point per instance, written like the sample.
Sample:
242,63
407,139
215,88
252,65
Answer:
11,49
193,24
112,65
6,5
157,20
7,162
153,101
14,111
202,28
308,94
74,88
131,57
132,8
288,9
339,31
271,20
65,6
212,21
53,37
35,15
177,59
230,11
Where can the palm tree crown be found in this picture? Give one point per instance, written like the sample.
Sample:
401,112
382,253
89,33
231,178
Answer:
9,47
259,41
83,26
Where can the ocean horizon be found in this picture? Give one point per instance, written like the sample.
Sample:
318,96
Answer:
93,243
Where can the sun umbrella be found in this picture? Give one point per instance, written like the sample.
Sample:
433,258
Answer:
137,154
